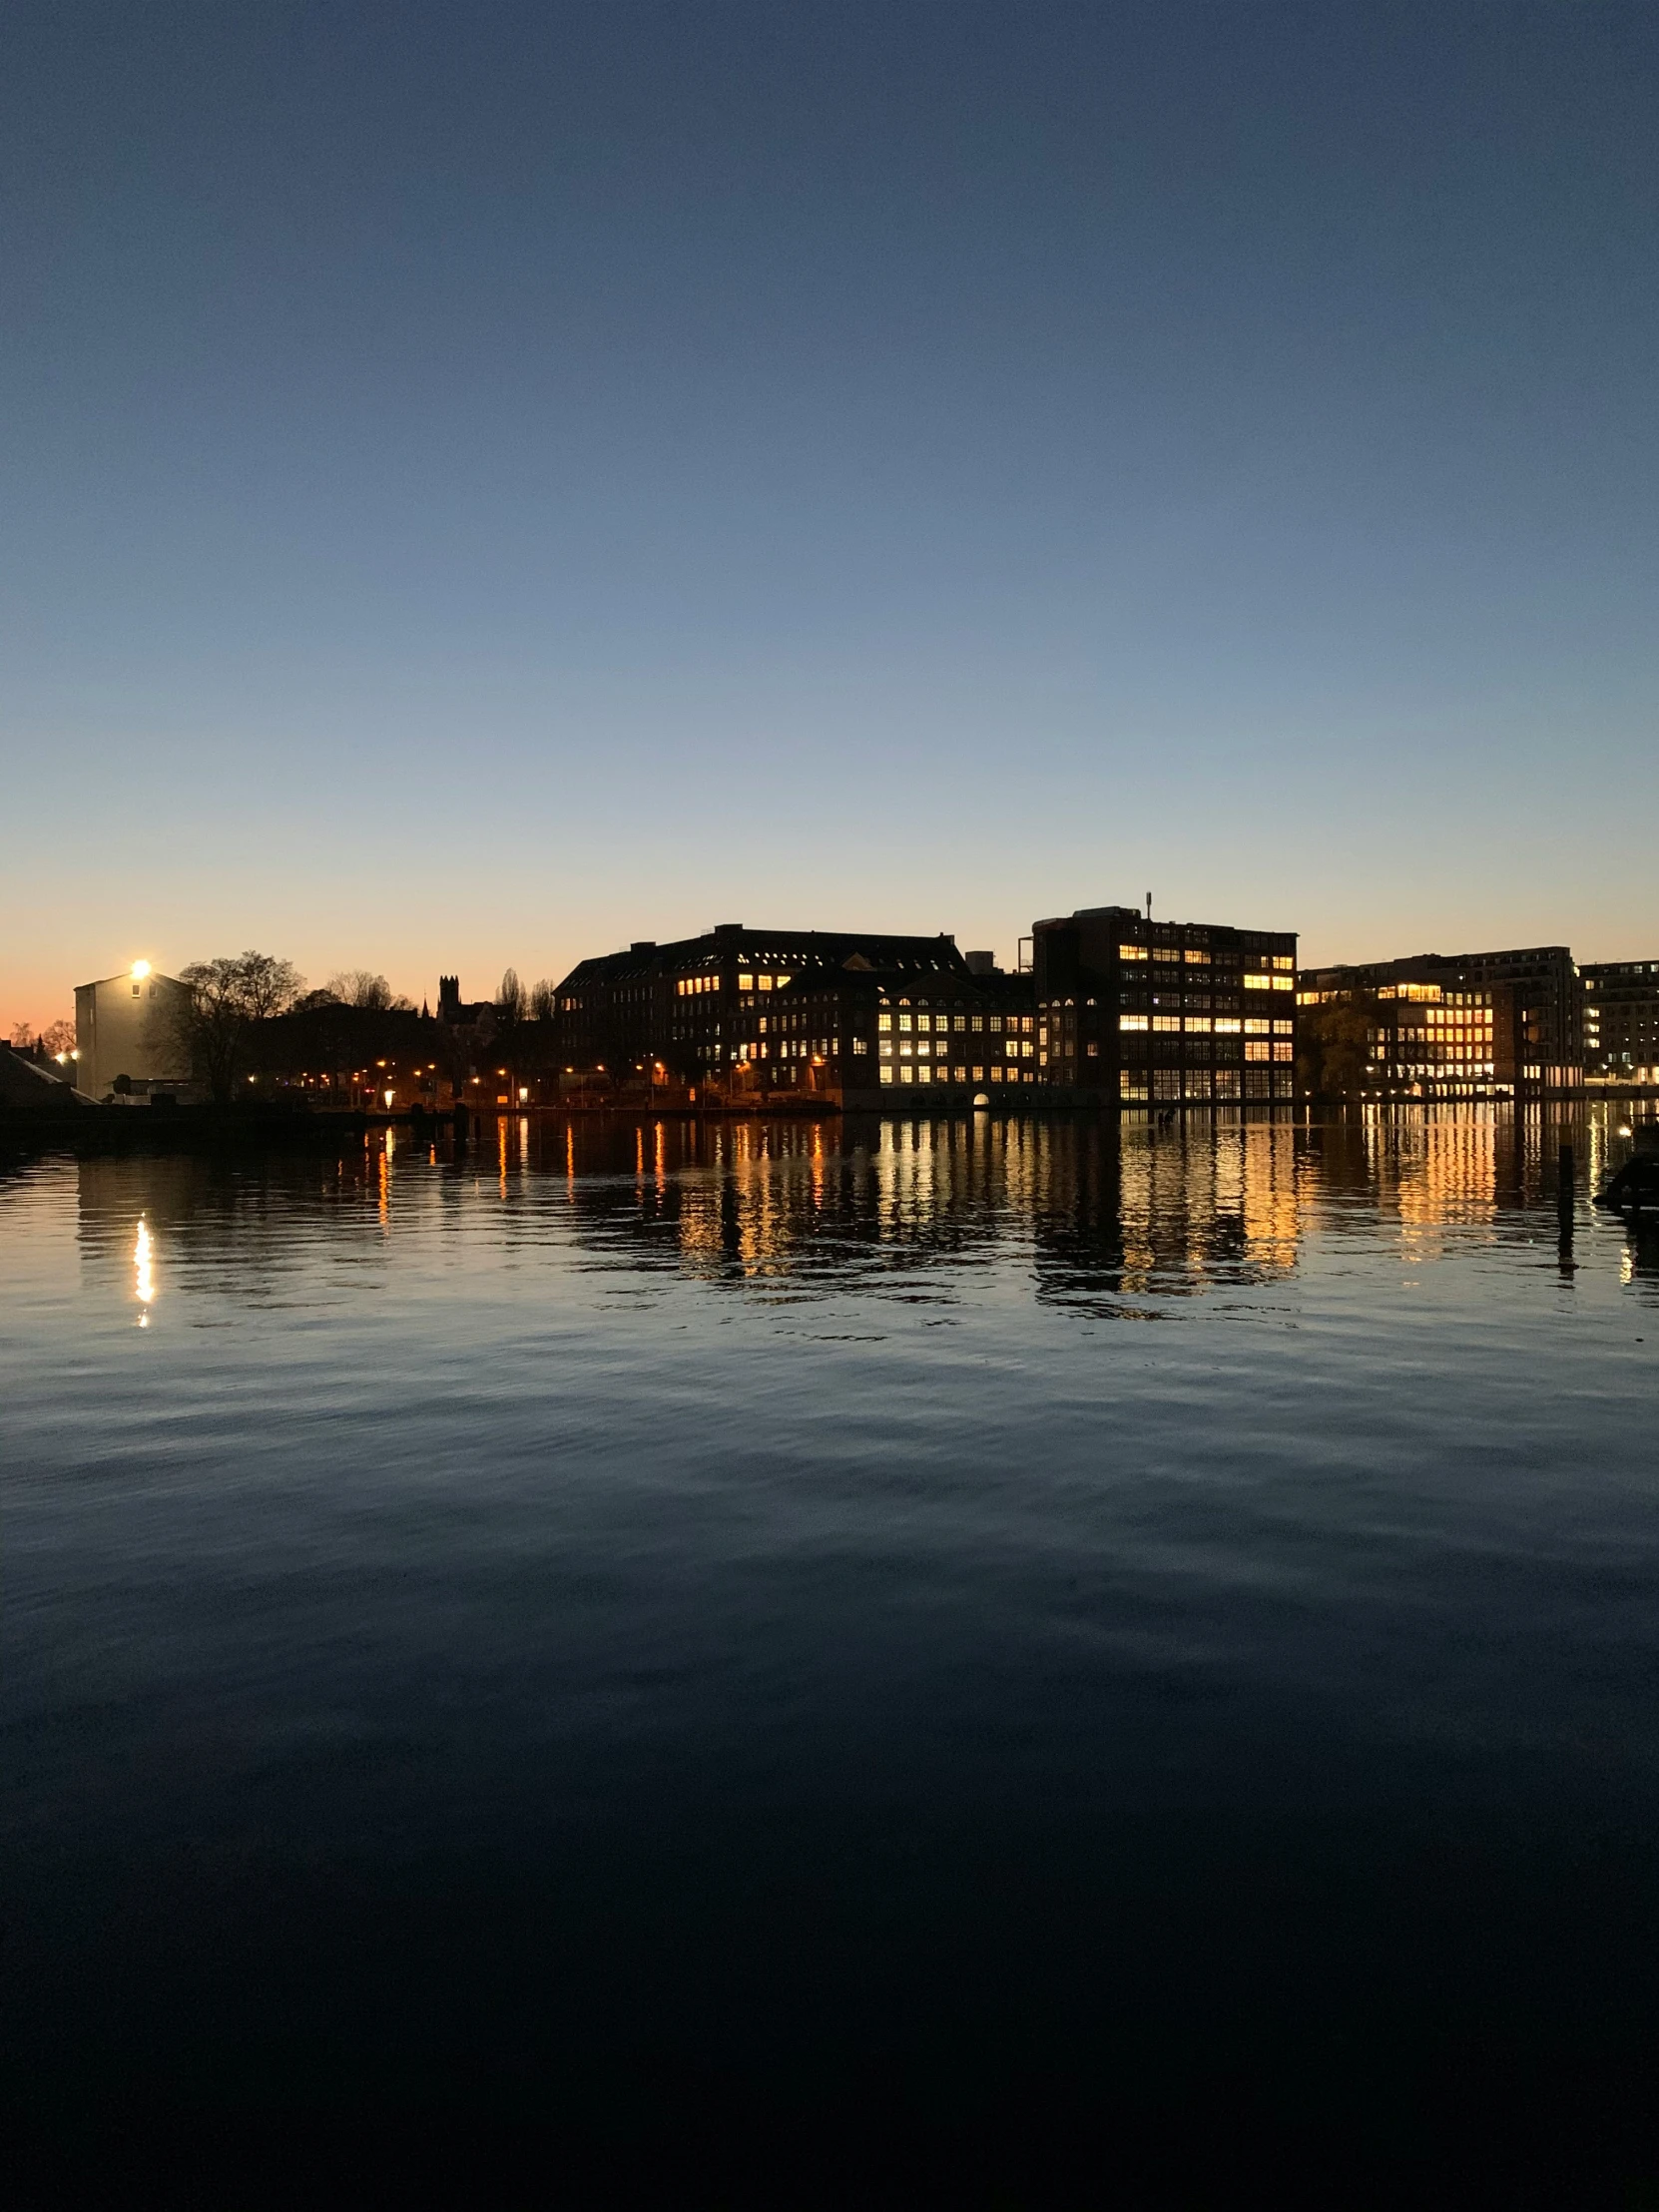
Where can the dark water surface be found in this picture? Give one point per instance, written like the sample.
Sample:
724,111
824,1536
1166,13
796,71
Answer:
945,1663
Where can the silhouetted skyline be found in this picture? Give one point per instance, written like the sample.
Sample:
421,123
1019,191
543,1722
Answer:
484,484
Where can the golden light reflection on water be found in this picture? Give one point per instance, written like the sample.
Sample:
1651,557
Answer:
144,1271
1094,1217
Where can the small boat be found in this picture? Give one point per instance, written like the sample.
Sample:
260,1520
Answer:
1634,1187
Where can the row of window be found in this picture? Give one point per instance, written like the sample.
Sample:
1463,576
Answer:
1220,1025
923,1048
1199,1084
920,1072
696,986
1193,956
941,1024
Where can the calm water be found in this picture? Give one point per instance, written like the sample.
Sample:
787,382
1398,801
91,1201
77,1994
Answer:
968,1664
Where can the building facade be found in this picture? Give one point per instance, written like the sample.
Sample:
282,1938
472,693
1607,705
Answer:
1621,1020
776,1011
1467,1025
123,1035
1135,1013
1429,1034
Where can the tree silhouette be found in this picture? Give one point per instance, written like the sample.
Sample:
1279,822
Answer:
213,1019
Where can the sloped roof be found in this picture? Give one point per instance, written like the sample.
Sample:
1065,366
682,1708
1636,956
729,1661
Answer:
24,1082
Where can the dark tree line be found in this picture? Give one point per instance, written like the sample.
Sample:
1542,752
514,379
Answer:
1332,1048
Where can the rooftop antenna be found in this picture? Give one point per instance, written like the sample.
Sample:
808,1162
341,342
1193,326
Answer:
1149,906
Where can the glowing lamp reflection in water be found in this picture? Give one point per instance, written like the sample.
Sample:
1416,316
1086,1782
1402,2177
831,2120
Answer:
144,1271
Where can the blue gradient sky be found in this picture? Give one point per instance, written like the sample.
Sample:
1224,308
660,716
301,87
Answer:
481,484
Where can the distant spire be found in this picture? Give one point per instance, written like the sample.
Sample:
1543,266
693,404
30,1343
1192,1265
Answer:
426,1011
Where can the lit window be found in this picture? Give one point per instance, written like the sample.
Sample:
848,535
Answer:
887,1075
904,1023
997,1074
979,1022
1283,1029
1131,1022
1284,982
1198,1024
763,982
1226,1026
884,1021
1255,1028
1011,1047
1094,1050
1283,1051
959,1022
1025,1048
1131,951
959,1074
907,1074
1283,960
746,982
1165,1021
923,1047
905,1049
1255,1051
886,1048
861,1044
1257,982
1197,959
978,1075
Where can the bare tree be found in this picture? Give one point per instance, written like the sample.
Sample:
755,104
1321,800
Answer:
56,1037
511,1001
362,987
541,1001
23,1036
221,1004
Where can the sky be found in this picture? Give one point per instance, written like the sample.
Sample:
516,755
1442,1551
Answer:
479,485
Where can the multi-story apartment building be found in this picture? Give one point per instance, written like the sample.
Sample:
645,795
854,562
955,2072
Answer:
1621,1020
1137,1012
1431,1034
767,1011
870,1034
123,1034
1538,1014
1468,1025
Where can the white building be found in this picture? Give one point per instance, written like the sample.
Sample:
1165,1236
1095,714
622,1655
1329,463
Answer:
123,1028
